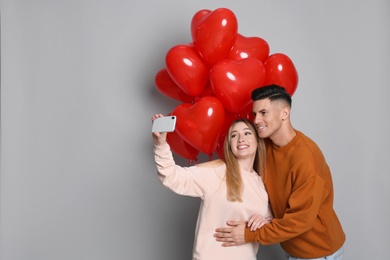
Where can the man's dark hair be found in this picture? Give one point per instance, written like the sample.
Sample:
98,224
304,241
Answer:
272,92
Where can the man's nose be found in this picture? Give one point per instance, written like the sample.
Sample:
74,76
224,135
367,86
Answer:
257,119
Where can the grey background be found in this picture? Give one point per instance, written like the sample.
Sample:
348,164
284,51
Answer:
77,93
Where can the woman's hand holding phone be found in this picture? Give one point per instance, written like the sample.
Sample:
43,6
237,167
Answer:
161,125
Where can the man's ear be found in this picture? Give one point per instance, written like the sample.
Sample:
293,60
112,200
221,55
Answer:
285,113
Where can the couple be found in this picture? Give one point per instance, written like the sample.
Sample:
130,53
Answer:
296,177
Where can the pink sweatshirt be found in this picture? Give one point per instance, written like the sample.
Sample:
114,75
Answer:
208,183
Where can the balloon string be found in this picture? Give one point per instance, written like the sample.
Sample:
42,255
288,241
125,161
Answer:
193,161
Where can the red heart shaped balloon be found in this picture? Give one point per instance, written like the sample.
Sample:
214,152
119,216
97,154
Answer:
169,88
245,47
187,69
247,112
229,119
214,34
208,91
234,81
199,124
280,70
181,147
197,18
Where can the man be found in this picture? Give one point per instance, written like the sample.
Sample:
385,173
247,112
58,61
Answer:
299,185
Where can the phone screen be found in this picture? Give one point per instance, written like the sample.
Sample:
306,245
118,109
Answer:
164,124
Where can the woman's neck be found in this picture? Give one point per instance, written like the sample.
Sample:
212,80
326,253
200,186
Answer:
246,164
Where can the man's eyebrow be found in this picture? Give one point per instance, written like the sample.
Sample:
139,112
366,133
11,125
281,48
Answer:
261,110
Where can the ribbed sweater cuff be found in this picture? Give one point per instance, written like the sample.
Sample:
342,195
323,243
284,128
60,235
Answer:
249,235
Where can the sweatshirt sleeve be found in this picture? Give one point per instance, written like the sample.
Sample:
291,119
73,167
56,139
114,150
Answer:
304,204
181,180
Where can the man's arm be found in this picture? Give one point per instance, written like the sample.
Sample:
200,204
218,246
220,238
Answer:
302,214
235,234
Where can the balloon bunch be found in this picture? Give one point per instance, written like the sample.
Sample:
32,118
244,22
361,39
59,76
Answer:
214,76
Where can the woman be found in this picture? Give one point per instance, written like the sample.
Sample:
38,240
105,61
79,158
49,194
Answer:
229,189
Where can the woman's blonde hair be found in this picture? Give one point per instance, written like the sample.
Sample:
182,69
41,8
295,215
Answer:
233,176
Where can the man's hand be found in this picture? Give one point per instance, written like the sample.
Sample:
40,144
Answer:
233,235
257,221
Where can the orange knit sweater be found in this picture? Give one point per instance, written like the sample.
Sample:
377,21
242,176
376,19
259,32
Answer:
300,189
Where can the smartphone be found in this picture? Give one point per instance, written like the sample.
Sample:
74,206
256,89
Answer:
164,124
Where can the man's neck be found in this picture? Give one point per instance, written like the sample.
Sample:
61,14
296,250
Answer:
284,136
